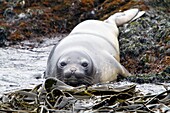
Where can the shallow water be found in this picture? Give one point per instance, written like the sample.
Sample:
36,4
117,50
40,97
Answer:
20,68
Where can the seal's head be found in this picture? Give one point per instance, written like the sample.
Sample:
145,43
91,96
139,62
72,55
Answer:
75,68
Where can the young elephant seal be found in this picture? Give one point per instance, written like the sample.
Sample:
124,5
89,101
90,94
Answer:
90,53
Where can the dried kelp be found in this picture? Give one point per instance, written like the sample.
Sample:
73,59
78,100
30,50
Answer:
56,96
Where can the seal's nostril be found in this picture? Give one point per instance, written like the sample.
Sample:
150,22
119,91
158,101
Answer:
73,69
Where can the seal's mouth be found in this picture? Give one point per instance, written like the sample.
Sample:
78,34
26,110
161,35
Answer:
74,84
73,81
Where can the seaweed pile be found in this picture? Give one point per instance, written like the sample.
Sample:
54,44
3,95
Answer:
56,96
145,43
35,19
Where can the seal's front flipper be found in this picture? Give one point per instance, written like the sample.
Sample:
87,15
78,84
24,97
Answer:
120,69
124,72
124,17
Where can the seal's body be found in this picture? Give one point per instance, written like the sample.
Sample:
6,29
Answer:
90,53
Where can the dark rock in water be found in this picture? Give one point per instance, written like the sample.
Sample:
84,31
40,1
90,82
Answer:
3,36
37,76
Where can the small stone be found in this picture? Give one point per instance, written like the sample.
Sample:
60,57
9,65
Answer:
37,76
161,49
167,52
3,37
168,43
167,70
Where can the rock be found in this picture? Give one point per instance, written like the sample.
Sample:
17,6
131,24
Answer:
3,37
148,33
168,52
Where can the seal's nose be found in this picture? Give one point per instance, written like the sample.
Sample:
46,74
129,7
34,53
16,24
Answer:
73,70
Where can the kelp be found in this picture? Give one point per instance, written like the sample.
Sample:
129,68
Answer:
55,96
161,77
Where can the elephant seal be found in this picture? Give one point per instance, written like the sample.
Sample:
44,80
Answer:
90,53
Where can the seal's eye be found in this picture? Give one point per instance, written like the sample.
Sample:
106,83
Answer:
84,64
63,64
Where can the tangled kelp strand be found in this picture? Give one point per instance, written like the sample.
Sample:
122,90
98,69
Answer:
101,98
